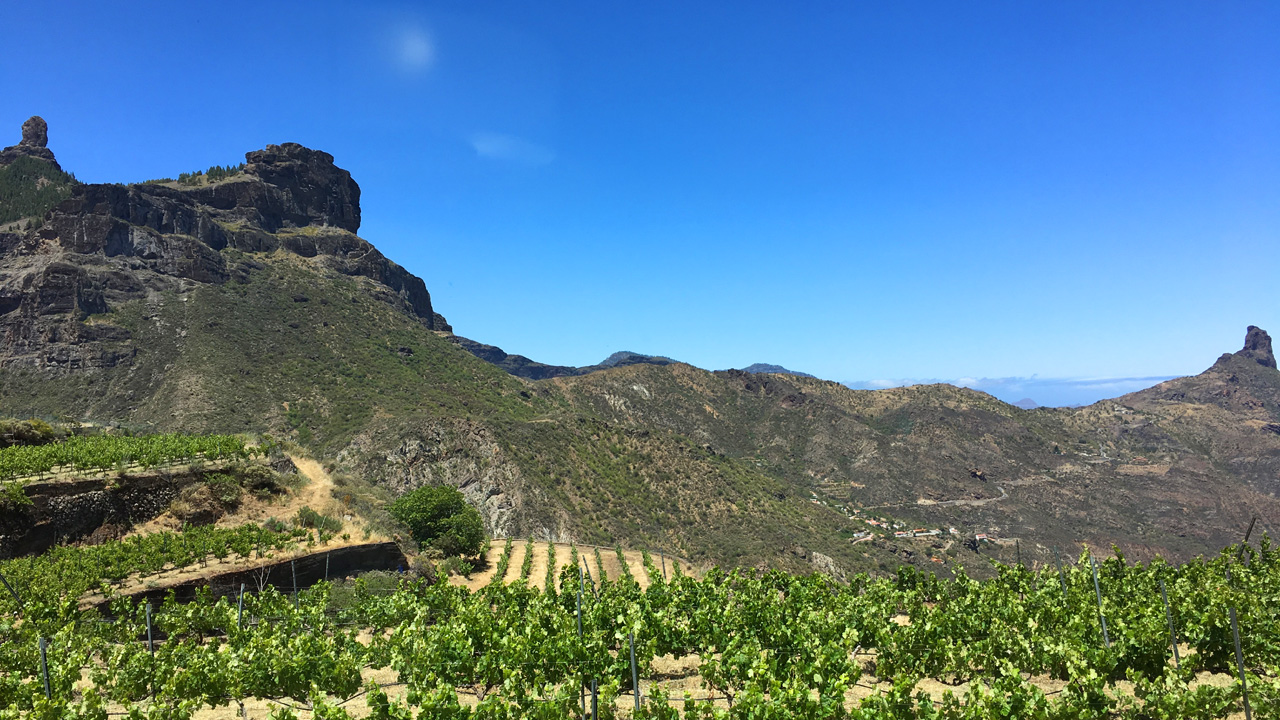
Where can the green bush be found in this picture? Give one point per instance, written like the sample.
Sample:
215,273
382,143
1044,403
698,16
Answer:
441,518
309,518
225,488
457,566
264,482
28,432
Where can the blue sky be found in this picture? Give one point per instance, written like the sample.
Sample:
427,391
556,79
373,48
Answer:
864,191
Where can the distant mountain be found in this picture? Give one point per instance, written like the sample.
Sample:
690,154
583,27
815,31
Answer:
626,357
1026,404
778,369
521,366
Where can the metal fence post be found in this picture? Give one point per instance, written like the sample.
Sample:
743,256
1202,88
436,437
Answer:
1098,589
44,666
1173,636
1244,687
582,688
9,587
1062,575
635,679
151,647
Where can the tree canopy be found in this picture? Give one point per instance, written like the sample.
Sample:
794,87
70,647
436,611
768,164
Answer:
440,517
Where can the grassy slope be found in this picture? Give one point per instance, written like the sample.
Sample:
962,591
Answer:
288,349
1158,489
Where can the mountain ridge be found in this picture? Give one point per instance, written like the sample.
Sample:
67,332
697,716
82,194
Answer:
249,304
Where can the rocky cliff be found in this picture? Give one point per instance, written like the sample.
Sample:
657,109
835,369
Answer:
107,245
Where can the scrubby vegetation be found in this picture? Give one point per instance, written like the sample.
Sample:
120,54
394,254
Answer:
308,518
29,432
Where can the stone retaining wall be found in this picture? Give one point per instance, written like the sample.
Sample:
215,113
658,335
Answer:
71,510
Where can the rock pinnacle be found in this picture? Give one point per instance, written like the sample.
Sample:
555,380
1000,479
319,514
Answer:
35,132
35,139
1257,347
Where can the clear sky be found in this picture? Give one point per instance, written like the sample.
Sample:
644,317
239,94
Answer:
863,191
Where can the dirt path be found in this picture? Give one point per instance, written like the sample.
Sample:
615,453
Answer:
538,575
517,559
317,494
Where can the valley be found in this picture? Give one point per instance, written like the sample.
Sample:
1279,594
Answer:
230,389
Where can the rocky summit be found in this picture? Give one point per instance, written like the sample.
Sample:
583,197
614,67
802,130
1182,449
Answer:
1257,347
243,300
35,139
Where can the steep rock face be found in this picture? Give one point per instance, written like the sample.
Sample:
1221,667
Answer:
455,452
1257,347
35,138
286,186
35,132
111,244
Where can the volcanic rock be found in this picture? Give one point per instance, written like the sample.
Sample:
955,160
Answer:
35,138
35,132
1257,347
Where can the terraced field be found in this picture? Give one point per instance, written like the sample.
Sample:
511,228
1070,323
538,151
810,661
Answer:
540,554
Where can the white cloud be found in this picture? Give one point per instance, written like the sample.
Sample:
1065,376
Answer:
414,49
498,146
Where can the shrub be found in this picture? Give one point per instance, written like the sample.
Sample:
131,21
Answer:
309,518
441,518
262,481
457,566
225,488
28,432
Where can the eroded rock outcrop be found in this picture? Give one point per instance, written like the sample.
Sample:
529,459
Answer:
1257,347
35,139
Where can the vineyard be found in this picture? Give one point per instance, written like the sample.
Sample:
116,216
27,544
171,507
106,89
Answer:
1076,641
65,573
102,453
